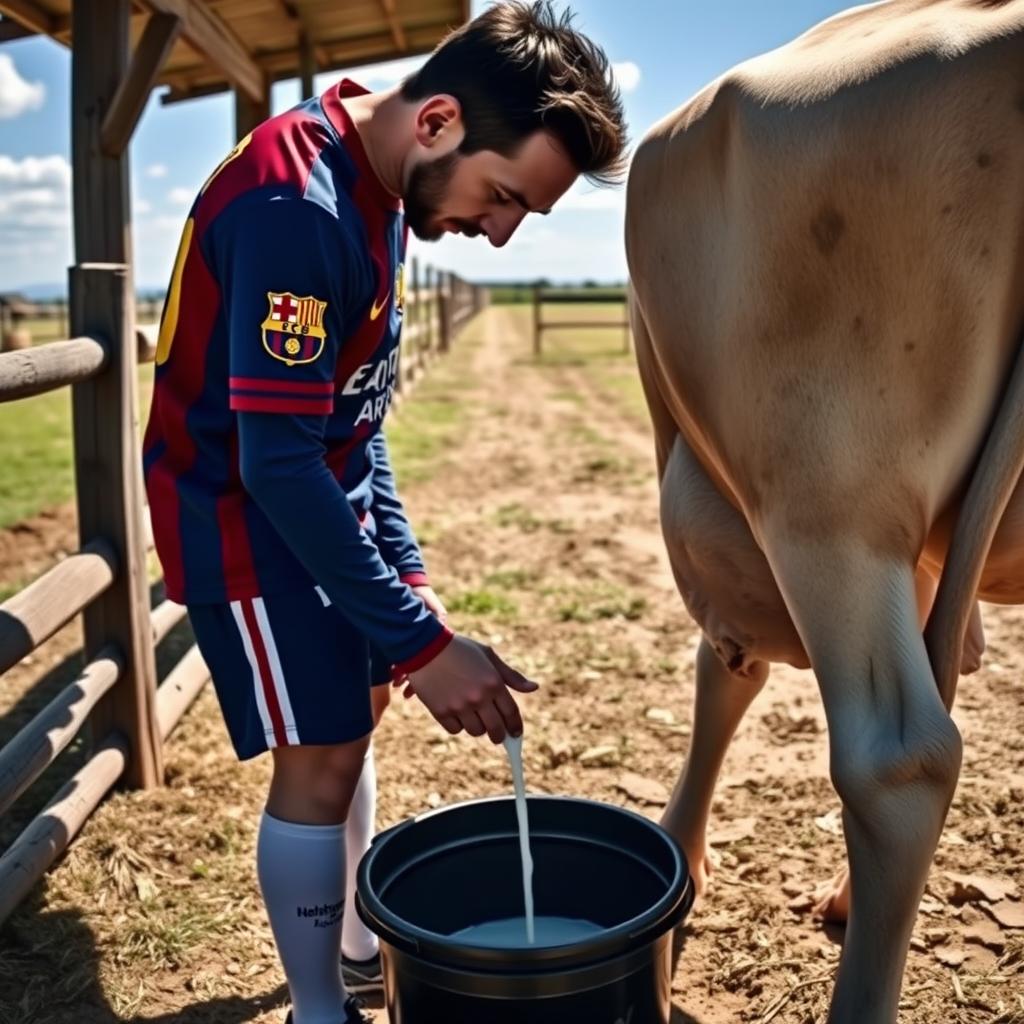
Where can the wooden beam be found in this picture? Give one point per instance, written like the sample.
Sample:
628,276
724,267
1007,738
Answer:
34,614
11,30
181,687
52,830
307,65
99,60
281,64
166,616
208,33
31,371
30,15
397,32
36,746
130,99
250,113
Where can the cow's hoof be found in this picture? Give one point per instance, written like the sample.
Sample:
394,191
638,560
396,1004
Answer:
832,899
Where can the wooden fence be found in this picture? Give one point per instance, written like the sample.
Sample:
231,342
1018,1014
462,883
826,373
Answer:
117,692
564,296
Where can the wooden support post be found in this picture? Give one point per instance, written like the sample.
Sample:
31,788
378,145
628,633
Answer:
250,113
429,307
444,312
537,327
99,62
307,65
626,335
108,467
417,310
130,100
110,501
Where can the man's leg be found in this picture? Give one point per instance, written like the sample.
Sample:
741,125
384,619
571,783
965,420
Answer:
272,683
359,945
301,865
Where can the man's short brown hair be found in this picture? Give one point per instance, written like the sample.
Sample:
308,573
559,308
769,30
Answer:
518,68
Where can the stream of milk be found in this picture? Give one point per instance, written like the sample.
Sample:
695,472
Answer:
514,749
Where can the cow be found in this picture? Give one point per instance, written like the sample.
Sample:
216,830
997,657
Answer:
826,247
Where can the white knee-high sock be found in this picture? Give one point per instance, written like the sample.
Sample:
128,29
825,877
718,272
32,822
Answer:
301,870
357,941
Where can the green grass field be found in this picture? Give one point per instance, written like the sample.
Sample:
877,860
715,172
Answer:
35,433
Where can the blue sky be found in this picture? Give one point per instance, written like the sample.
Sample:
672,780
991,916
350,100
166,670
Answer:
663,51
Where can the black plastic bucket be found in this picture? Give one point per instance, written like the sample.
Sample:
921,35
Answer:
459,866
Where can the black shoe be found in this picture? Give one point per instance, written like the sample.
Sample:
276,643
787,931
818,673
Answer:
362,976
353,1012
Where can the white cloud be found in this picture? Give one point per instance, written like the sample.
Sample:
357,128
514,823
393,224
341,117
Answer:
627,75
34,170
142,206
156,171
17,95
35,218
180,196
584,196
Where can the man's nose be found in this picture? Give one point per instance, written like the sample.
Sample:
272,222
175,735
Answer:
499,228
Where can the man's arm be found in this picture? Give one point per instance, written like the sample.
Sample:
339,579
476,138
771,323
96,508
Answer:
395,537
282,464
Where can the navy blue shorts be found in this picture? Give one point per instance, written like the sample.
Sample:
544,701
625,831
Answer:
289,670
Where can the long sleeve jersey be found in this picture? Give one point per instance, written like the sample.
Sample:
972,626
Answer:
265,464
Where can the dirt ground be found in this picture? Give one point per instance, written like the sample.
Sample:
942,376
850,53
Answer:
539,520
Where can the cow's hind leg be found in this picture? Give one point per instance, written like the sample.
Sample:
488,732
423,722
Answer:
721,700
895,752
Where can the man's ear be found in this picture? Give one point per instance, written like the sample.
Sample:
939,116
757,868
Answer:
438,120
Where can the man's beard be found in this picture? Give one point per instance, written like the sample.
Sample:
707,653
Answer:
428,188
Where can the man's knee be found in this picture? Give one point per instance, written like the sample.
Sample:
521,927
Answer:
315,784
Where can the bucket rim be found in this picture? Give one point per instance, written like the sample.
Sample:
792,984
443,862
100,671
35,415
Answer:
663,915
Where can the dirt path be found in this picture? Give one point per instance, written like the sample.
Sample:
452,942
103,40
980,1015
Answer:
540,530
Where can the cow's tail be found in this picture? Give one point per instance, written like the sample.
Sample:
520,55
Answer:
993,482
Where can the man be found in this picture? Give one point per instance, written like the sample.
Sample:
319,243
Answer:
274,507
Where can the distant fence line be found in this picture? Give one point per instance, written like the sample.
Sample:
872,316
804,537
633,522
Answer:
546,296
117,693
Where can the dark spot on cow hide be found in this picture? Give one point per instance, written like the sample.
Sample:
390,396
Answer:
947,209
858,322
985,251
909,347
828,227
1020,104
984,159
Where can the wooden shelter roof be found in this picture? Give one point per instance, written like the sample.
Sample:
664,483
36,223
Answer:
244,44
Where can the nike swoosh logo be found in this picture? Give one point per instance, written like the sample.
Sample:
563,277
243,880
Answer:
375,310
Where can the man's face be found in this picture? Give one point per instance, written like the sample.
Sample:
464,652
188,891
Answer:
486,193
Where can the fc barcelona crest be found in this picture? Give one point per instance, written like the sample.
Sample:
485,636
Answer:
294,328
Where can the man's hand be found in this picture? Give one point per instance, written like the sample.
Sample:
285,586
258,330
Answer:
467,687
432,601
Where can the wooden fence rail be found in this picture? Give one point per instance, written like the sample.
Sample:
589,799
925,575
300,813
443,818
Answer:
106,581
554,296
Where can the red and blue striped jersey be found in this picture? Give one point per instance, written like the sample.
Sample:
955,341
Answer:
276,363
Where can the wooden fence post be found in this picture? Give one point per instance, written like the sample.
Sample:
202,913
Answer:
430,306
536,320
444,312
108,468
110,503
626,333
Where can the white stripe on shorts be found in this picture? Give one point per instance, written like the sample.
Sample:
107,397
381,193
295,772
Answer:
280,687
323,597
257,682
